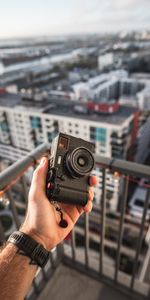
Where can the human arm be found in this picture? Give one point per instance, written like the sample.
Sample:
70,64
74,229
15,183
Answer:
41,223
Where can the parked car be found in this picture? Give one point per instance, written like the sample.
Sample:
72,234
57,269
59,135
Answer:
136,204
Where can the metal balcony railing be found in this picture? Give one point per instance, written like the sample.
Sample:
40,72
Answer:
92,249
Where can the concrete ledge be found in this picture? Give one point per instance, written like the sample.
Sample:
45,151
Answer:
68,284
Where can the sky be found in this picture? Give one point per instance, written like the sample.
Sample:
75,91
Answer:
60,17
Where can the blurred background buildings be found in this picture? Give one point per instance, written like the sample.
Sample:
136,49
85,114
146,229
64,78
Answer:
93,84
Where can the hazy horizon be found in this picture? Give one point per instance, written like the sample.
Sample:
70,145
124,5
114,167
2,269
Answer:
72,17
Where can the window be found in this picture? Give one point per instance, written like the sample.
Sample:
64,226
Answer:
103,144
140,203
102,151
4,127
35,122
114,134
101,131
55,123
92,129
109,195
51,136
100,135
92,136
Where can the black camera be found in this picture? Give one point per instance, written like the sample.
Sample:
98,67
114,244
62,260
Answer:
71,162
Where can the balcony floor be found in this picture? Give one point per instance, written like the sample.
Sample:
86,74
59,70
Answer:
68,284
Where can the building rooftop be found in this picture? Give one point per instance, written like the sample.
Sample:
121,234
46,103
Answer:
118,117
67,108
15,101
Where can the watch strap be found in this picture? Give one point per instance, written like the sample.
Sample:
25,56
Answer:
38,254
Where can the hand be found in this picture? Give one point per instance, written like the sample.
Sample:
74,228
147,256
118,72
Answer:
42,219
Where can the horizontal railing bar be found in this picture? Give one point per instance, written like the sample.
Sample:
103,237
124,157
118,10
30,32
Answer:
123,166
12,172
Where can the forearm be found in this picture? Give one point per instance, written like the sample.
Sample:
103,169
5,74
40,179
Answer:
16,274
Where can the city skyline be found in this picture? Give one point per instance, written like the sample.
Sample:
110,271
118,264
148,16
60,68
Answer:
35,18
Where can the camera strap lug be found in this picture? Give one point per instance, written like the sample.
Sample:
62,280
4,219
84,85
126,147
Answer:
63,223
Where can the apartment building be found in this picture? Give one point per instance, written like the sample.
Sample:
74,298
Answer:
26,124
105,60
116,86
143,146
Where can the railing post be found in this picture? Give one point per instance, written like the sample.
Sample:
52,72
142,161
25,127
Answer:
145,264
73,244
139,244
2,234
86,220
35,287
25,188
123,208
13,209
103,215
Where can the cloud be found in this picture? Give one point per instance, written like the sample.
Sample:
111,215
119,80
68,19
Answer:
73,16
128,4
111,15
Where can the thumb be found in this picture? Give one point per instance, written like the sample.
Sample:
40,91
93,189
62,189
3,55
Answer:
39,175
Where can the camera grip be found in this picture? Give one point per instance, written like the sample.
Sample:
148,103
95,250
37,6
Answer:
70,196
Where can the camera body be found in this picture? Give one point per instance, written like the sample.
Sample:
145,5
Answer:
70,164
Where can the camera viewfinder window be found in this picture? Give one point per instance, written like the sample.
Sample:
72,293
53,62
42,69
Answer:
63,143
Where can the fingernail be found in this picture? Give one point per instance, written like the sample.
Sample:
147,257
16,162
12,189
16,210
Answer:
43,160
85,208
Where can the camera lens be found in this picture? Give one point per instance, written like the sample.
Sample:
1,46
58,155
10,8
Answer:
80,162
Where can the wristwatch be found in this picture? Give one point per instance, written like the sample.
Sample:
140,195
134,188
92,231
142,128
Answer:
29,247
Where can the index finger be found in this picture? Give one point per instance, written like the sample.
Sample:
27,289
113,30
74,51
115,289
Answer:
93,180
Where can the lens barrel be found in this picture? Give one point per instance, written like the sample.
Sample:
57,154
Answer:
80,162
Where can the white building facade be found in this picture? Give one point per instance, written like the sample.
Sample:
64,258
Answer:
105,60
22,130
